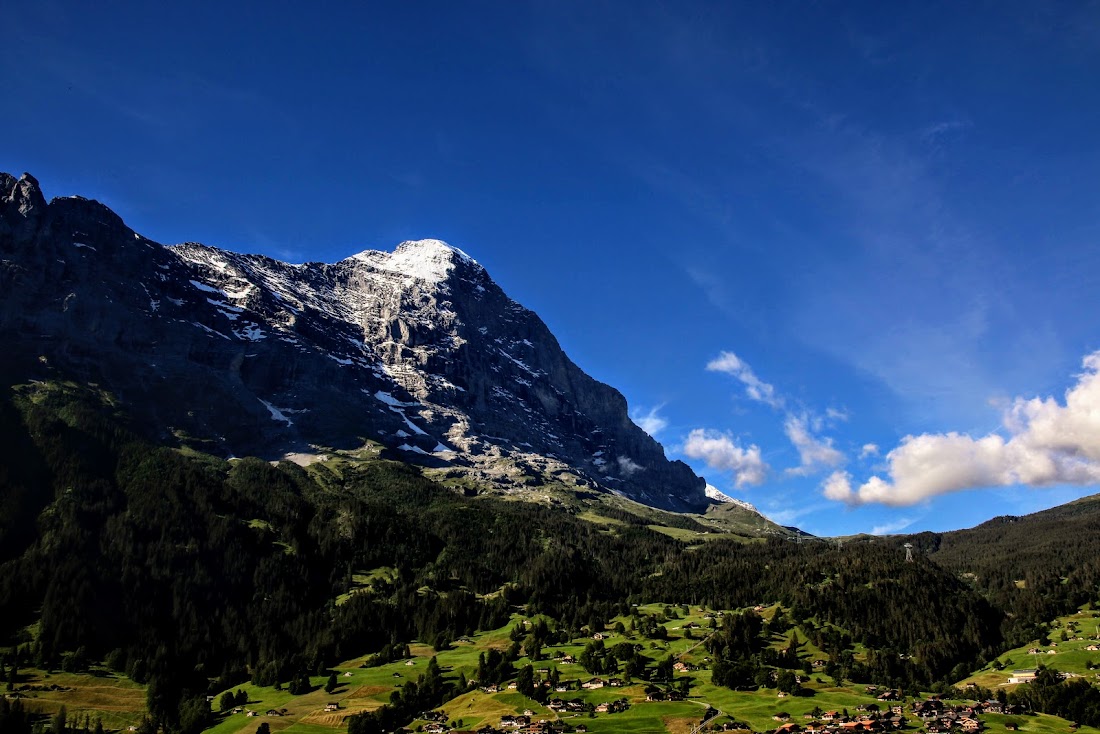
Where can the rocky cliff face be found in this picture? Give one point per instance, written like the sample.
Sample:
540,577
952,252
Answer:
418,350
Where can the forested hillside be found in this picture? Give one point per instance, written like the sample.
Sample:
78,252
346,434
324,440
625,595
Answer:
194,574
1035,567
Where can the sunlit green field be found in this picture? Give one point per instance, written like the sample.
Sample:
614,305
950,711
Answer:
111,698
121,703
1069,656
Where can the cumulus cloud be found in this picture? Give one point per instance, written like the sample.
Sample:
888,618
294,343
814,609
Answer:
813,452
755,388
652,422
721,452
838,487
1043,443
869,449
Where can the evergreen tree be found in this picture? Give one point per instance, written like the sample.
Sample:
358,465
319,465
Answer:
57,723
525,682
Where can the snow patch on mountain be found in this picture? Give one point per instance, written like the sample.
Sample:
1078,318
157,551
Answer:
719,496
390,400
250,332
276,413
208,289
427,260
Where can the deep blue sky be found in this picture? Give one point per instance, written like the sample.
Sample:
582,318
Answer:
888,211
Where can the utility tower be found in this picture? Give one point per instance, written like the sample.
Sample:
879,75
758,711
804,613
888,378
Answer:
908,552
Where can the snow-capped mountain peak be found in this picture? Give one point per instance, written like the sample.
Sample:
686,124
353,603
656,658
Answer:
417,351
719,496
428,260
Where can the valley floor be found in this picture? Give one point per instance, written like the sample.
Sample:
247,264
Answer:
119,703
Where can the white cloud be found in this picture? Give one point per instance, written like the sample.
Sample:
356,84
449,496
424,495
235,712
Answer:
651,422
628,467
755,388
892,527
869,449
790,515
1047,443
838,487
813,452
719,451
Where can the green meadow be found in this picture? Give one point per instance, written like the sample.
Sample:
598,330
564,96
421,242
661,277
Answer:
1067,656
120,703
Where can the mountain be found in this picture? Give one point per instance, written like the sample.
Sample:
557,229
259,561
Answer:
719,496
417,353
1060,541
1048,560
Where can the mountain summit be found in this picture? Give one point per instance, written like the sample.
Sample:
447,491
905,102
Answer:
417,351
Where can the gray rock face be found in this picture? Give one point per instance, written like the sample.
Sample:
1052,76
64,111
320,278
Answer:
418,350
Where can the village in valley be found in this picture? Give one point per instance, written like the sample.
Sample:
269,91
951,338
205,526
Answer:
666,686
687,702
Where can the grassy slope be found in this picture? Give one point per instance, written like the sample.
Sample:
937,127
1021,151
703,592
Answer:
115,699
119,702
370,688
1069,657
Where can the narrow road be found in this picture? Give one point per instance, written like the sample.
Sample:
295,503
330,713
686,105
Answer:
698,728
718,712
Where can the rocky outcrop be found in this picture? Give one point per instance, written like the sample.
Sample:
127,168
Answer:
417,349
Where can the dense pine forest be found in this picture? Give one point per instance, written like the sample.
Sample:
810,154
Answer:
1034,567
193,574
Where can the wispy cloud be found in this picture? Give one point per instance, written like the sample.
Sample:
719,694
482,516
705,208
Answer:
160,101
910,250
785,515
933,134
720,451
651,421
755,388
814,452
869,449
893,527
628,467
1047,443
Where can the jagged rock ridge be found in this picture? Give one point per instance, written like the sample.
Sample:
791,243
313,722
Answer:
418,350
